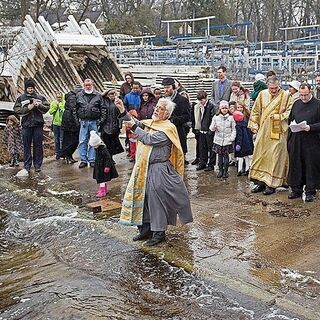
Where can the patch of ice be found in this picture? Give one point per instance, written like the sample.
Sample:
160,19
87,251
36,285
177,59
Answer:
63,193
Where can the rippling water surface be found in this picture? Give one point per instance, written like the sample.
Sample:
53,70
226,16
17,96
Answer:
56,262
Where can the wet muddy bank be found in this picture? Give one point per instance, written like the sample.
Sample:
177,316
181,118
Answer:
240,259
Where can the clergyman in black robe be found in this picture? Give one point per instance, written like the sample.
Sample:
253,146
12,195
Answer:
304,146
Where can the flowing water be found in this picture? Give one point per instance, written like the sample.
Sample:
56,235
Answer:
58,262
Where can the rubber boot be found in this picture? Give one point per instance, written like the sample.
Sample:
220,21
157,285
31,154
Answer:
225,173
101,192
220,173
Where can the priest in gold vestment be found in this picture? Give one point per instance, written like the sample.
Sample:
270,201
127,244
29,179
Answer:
268,119
156,193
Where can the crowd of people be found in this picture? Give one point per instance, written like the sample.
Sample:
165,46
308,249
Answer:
272,134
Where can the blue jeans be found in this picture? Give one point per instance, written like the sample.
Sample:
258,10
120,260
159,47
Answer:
32,135
86,152
57,138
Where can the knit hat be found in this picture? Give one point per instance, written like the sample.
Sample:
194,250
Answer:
224,103
168,82
238,116
94,140
259,76
295,84
29,83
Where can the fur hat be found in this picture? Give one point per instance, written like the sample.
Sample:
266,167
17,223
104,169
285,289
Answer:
94,140
168,82
238,116
29,83
295,84
259,76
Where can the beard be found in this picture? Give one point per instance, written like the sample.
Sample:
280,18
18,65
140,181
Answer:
155,118
88,91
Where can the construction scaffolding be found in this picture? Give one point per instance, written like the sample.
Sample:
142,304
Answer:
298,57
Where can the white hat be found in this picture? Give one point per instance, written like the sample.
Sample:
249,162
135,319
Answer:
223,103
94,140
259,76
295,84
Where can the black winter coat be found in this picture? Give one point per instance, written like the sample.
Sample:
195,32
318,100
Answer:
110,123
89,105
70,121
304,146
180,116
103,160
209,112
244,139
34,117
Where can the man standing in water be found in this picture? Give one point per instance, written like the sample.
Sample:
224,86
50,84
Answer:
156,193
268,120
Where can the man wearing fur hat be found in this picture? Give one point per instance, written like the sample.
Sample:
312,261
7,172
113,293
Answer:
31,107
156,193
182,111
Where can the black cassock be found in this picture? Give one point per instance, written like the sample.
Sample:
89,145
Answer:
304,146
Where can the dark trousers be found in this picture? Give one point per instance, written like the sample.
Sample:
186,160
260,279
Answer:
34,136
196,136
223,161
309,190
57,138
207,155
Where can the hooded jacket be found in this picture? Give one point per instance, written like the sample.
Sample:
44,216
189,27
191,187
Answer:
257,87
56,110
145,110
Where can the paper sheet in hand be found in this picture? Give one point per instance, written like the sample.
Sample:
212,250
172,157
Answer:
297,127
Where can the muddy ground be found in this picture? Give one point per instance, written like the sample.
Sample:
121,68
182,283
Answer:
263,247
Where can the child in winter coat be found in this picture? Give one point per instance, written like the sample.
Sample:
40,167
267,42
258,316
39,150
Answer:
243,143
12,139
245,111
132,138
225,132
104,169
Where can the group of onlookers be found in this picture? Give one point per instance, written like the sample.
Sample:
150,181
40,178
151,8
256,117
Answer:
224,126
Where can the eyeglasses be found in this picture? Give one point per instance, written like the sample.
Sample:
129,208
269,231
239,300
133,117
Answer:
111,93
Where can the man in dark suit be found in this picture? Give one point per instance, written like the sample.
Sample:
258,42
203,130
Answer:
221,88
182,112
